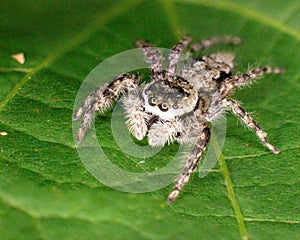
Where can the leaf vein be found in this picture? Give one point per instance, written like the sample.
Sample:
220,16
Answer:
68,46
35,137
249,13
272,220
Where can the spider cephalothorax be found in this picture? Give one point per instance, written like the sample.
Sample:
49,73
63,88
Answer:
178,104
168,99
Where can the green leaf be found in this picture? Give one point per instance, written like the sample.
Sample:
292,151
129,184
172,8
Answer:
45,190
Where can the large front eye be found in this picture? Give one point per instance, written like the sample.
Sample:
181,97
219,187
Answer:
152,101
164,107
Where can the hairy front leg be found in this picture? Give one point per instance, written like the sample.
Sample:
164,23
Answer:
102,99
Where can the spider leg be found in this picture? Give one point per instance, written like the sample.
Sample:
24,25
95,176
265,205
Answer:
87,103
192,162
102,99
153,57
175,54
204,44
229,84
250,122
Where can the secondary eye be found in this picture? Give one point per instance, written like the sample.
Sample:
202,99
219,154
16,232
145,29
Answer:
149,93
175,106
152,101
164,107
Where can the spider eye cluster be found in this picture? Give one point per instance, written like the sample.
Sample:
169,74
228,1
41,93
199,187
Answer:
153,101
165,100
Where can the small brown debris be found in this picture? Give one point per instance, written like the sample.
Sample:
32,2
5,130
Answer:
19,57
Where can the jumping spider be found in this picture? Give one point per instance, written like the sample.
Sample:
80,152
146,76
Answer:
178,107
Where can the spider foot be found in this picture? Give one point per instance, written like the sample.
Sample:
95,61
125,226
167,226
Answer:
173,195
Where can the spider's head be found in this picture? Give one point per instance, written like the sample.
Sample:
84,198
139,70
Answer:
167,99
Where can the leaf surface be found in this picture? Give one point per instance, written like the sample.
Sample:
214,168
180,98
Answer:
45,190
